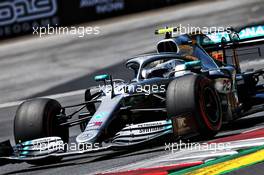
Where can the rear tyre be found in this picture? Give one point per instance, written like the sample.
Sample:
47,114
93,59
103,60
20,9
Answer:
37,119
196,95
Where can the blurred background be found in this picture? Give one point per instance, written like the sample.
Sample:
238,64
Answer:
32,66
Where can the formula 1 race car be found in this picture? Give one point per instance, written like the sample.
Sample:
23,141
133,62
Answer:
189,87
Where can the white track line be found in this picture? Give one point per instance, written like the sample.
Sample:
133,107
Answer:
55,96
254,129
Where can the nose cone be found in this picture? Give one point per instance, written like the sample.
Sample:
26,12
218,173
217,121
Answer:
87,137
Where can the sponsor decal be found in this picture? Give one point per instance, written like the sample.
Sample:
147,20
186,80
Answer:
182,122
98,123
216,38
151,127
249,32
150,124
148,130
252,32
20,16
103,6
26,10
223,85
227,85
100,115
86,135
97,120
94,124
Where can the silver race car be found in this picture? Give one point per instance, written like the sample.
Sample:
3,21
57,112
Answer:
180,91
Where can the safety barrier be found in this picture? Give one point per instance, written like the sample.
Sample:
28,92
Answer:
18,17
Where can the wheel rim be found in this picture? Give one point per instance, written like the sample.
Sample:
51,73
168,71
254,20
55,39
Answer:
210,105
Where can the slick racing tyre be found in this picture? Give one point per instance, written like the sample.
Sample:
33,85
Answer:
38,119
195,95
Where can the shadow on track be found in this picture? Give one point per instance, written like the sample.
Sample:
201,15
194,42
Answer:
72,161
240,124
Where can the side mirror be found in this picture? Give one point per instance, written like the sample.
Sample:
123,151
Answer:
102,77
105,77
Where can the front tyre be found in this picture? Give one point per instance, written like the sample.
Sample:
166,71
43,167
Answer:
36,119
196,95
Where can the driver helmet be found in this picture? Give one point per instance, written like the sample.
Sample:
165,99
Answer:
159,70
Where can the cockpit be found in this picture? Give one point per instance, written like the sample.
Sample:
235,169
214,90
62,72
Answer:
171,52
184,46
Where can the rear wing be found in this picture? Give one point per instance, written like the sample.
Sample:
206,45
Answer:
245,35
248,35
229,48
225,46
